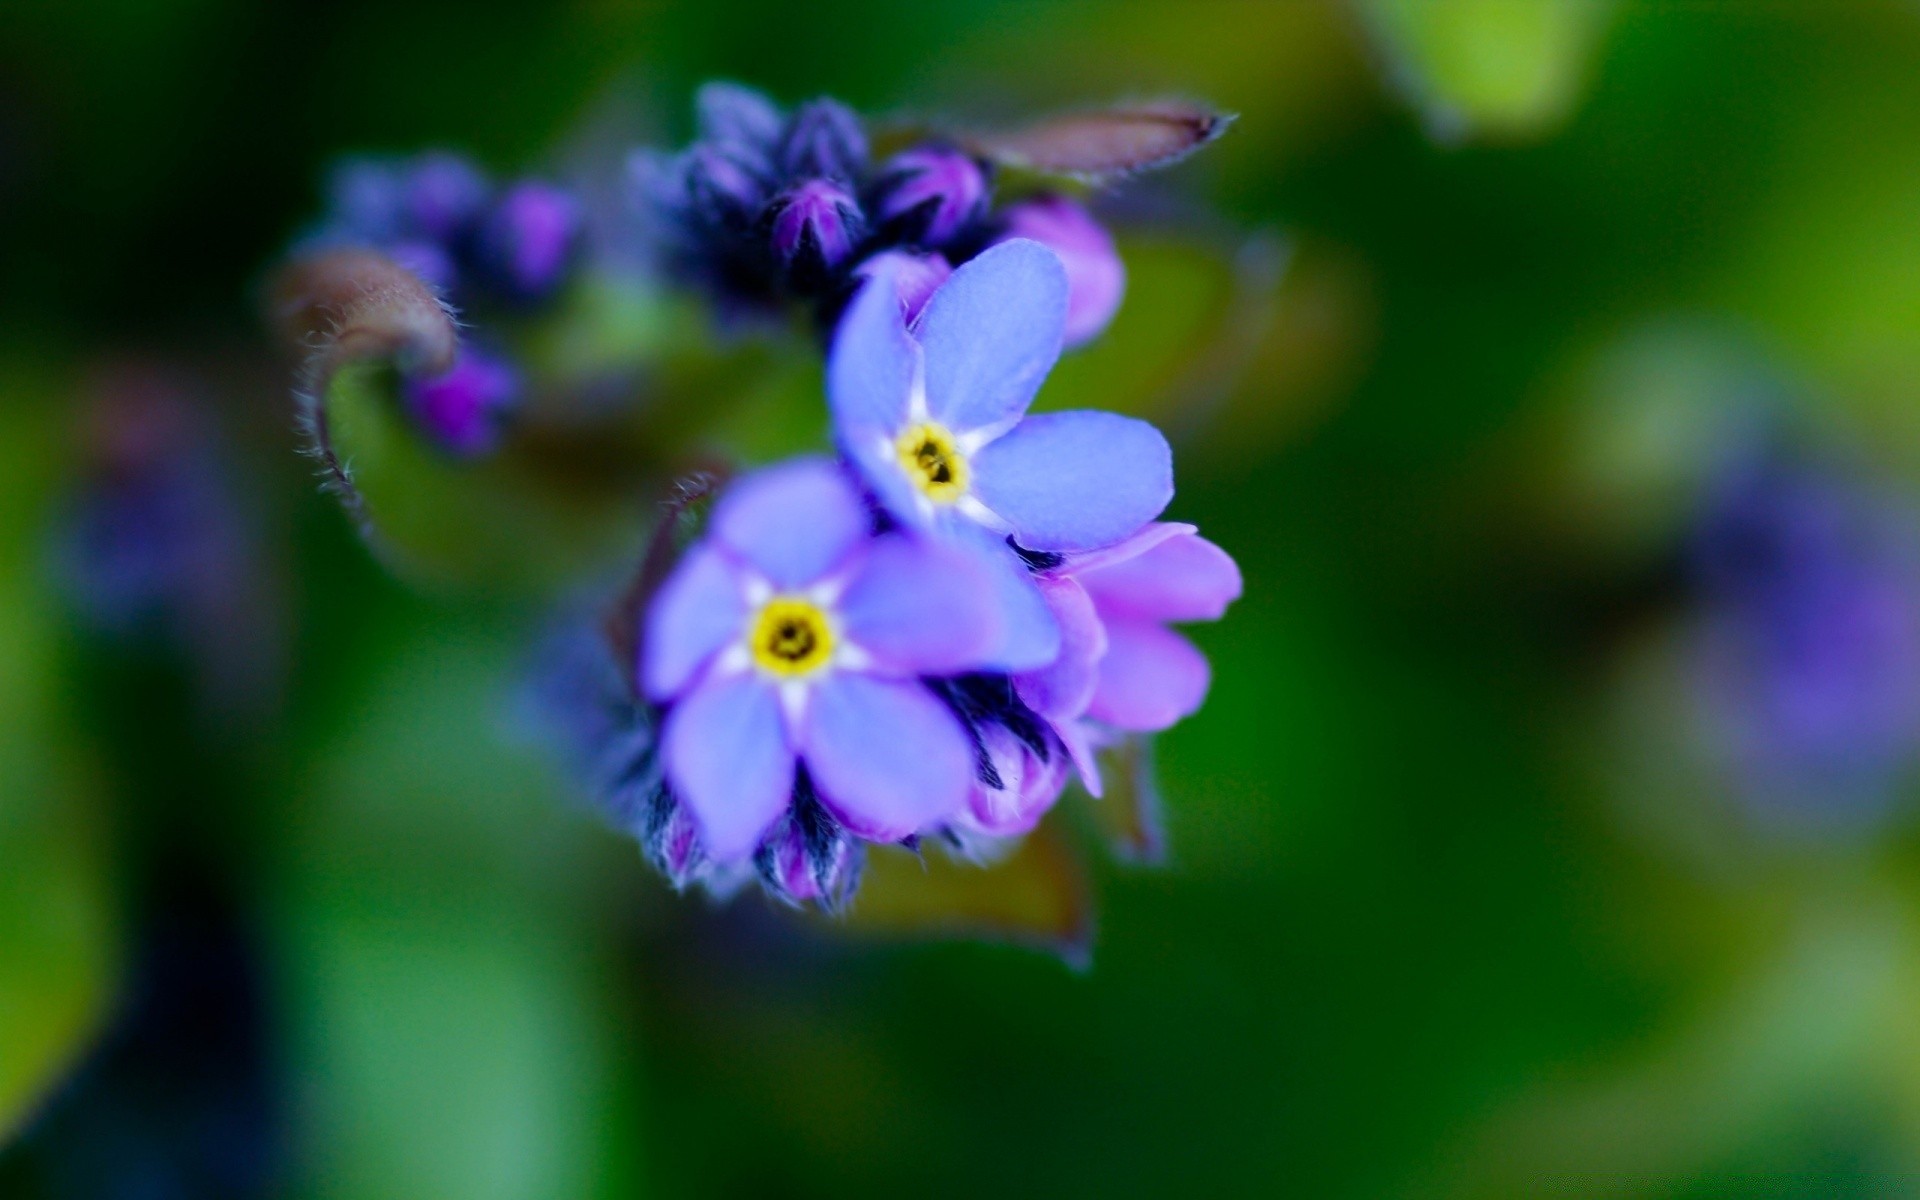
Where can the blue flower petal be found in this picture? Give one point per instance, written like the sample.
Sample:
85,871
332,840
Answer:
888,757
1075,481
991,333
727,757
871,365
922,608
696,612
793,523
1029,634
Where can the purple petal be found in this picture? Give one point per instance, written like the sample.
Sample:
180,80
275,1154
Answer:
696,612
1150,678
991,334
793,523
1183,578
1128,547
1096,277
728,760
1029,786
1062,690
888,757
1075,481
922,608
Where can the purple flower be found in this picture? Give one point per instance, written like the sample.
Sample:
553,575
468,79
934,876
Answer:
935,419
1809,650
915,276
1120,669
462,408
1096,278
529,239
815,227
790,646
929,195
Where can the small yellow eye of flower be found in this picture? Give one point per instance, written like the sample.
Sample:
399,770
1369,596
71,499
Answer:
791,637
934,462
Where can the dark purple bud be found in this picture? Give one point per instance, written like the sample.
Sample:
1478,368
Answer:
723,189
807,857
824,140
530,238
462,408
1096,278
815,228
737,118
915,276
445,195
672,842
929,195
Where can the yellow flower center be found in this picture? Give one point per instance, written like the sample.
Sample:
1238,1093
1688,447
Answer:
933,462
791,637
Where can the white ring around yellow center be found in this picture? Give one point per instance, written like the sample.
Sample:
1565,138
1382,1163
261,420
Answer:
932,458
791,637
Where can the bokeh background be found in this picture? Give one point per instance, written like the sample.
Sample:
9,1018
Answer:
1550,366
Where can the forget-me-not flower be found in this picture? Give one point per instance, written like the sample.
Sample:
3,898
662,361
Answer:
790,646
934,415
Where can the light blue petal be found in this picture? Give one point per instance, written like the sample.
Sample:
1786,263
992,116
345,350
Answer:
922,608
1029,634
991,333
697,611
1075,481
889,758
727,758
871,364
793,523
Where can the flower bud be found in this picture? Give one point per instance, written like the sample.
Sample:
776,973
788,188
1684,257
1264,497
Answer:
915,276
444,195
929,195
815,228
1027,785
529,239
808,858
823,139
737,118
462,408
1096,278
724,190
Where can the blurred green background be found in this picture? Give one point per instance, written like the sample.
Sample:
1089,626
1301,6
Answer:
1418,934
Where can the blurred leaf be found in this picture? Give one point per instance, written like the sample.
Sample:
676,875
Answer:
1650,415
1812,1020
1037,895
59,941
532,516
1183,297
1500,69
449,1010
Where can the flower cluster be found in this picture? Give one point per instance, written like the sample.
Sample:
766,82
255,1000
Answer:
506,248
924,637
767,206
1809,653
